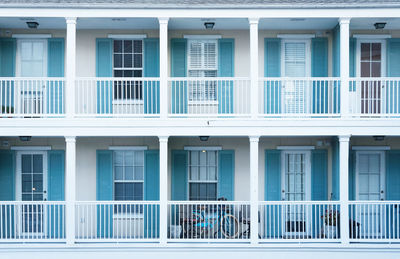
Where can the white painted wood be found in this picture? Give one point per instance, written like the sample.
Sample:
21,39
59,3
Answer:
70,188
202,37
344,187
132,148
371,148
127,36
163,23
33,148
296,36
372,36
254,188
200,148
344,65
163,140
295,147
70,67
382,41
31,36
254,66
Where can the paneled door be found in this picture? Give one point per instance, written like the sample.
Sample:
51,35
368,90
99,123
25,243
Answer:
371,65
370,186
31,188
296,187
296,64
31,63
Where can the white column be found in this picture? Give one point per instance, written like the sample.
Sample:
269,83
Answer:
163,188
254,66
344,65
163,67
344,187
69,102
254,189
70,188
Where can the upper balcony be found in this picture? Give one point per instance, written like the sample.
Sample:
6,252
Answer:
118,71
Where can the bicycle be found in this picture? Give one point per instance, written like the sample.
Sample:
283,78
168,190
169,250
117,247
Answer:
211,221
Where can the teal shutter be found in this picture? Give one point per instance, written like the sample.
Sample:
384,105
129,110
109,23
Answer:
7,192
226,174
319,175
179,179
55,181
55,68
393,175
104,192
151,193
226,50
335,169
272,68
352,56
8,48
104,69
319,68
352,175
178,69
273,175
336,51
151,89
393,70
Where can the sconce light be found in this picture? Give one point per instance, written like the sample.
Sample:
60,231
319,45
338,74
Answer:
379,138
32,25
204,138
209,25
379,25
25,138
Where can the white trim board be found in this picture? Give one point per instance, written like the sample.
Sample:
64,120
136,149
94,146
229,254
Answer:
202,37
31,148
31,36
295,147
127,36
132,148
372,36
295,36
200,148
370,148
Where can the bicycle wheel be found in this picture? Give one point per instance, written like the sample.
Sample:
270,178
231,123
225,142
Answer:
230,226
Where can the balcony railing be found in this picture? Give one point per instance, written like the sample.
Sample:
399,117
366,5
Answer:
209,97
375,97
299,221
299,97
208,221
32,97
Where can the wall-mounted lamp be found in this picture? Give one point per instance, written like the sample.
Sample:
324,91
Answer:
379,138
32,25
204,138
379,25
25,138
209,25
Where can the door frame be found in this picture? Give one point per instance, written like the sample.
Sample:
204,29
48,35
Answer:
382,170
18,55
358,54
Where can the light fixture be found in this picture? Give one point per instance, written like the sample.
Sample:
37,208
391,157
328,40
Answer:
204,138
25,138
379,138
379,25
32,25
209,25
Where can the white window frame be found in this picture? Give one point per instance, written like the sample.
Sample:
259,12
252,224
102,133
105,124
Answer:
189,181
126,38
203,39
382,171
18,53
358,54
128,181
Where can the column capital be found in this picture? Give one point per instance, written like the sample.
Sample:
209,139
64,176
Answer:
254,138
344,138
253,20
163,138
70,139
344,20
163,20
70,20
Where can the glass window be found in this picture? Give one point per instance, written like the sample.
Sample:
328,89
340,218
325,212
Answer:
128,62
203,177
202,62
128,175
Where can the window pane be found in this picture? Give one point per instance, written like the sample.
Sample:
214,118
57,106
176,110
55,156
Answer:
137,60
118,173
203,173
139,173
194,158
137,73
128,191
127,46
117,60
118,158
27,197
211,191
119,191
118,46
128,173
138,192
212,173
118,73
128,60
376,52
38,182
194,191
137,46
128,73
26,163
37,163
139,158
212,157
26,182
376,69
203,158
365,51
365,69
194,173
128,158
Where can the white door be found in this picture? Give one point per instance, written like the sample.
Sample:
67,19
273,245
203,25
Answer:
31,63
297,64
296,175
371,63
370,186
31,186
